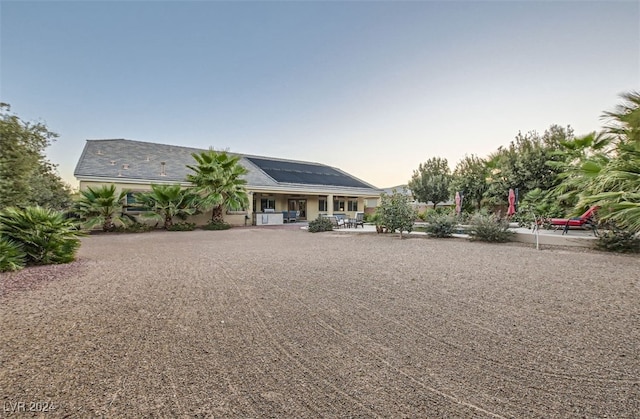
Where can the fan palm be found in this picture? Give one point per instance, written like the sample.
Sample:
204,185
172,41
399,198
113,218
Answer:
101,206
167,201
218,179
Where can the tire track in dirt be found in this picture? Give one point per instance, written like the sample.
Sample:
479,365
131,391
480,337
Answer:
256,308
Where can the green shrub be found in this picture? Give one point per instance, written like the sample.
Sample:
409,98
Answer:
489,229
621,241
45,235
135,227
213,225
320,224
182,227
440,225
12,258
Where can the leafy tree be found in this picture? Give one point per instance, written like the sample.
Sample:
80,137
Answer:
524,164
431,181
46,236
470,178
26,177
167,201
396,213
218,179
101,206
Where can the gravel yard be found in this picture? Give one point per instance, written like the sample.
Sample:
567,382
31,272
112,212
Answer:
266,322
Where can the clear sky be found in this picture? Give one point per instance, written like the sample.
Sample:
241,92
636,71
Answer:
374,88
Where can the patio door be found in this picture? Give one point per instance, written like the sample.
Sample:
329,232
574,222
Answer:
299,205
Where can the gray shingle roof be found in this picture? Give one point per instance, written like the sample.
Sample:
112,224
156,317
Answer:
115,159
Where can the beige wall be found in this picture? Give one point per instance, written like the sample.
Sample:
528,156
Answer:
238,218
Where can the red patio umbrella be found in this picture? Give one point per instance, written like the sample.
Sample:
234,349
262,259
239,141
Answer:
512,203
458,202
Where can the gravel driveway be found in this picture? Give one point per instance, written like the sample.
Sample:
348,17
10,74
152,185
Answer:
282,323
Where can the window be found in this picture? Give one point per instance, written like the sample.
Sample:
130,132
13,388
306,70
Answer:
352,204
338,204
267,203
131,205
322,203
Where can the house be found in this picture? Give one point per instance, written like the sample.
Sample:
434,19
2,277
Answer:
274,185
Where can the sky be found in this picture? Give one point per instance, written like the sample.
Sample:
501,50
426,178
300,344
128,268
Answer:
371,87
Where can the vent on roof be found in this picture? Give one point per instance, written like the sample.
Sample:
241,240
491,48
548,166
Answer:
162,168
125,166
112,162
147,158
119,174
99,152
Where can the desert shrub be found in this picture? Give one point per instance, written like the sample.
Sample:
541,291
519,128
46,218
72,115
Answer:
320,224
12,258
216,225
440,225
182,227
489,228
45,235
617,240
134,227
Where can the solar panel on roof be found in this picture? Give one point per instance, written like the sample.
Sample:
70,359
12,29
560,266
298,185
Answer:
304,173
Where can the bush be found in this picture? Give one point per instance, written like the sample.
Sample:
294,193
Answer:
135,227
45,235
182,227
12,258
320,224
440,225
213,225
489,229
621,241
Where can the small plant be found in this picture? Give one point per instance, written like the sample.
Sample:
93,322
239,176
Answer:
489,228
320,224
440,225
216,225
616,240
12,258
134,227
182,227
45,235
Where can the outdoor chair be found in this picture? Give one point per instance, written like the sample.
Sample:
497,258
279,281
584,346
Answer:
359,220
336,222
585,221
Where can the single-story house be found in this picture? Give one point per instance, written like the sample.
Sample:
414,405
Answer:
274,185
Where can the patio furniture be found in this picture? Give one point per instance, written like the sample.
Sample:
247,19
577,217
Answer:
290,216
585,221
359,220
336,222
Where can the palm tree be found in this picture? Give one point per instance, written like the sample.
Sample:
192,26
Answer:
167,201
101,205
218,180
615,184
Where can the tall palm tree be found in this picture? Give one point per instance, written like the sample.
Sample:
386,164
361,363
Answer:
218,178
167,201
101,205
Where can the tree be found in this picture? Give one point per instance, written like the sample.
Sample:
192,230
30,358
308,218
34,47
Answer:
470,178
26,177
614,185
395,212
167,201
431,181
101,206
218,180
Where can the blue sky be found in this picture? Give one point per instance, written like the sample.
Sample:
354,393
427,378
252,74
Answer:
374,88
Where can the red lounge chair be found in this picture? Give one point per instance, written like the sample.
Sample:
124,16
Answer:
586,220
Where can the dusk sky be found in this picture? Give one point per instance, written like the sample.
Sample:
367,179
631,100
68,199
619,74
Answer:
373,88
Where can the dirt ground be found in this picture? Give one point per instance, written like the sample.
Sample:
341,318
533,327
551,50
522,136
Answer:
256,322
